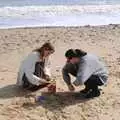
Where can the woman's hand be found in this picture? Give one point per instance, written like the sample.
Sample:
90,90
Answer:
71,87
47,78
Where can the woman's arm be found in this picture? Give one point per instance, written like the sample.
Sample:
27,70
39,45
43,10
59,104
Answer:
86,69
47,69
30,68
65,74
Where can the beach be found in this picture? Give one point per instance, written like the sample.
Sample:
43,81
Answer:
16,43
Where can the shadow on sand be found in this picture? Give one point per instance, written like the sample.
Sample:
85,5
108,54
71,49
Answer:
51,102
11,91
58,101
62,99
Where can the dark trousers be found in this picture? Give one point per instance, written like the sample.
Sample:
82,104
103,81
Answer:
93,82
39,73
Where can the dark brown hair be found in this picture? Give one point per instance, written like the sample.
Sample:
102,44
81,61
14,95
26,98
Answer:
45,46
75,53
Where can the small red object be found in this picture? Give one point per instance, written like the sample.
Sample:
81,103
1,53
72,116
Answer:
52,88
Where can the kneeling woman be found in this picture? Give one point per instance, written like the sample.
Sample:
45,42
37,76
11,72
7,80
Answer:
88,70
34,72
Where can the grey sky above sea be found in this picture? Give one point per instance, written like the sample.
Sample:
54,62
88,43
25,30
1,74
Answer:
56,2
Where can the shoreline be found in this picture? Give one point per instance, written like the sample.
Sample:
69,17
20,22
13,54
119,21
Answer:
40,27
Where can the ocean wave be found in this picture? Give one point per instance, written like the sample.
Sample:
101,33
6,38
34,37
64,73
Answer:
34,11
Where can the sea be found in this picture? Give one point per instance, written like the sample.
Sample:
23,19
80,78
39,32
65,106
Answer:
45,13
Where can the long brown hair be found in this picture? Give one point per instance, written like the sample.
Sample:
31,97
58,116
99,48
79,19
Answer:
45,46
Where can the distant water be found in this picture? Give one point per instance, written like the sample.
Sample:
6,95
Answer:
28,13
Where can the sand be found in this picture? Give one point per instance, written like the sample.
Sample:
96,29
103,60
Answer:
15,44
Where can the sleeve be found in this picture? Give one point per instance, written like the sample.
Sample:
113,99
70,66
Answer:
47,69
65,74
84,72
30,68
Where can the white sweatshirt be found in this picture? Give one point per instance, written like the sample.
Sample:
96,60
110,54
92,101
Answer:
27,67
91,65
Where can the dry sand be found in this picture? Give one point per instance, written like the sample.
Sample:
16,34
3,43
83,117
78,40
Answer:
103,41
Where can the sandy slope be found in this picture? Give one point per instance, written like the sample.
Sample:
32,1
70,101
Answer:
17,105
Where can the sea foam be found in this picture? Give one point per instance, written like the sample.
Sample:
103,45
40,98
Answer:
32,11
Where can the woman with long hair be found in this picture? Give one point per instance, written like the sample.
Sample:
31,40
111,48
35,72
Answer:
34,72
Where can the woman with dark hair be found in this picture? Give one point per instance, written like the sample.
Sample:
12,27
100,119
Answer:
34,72
88,70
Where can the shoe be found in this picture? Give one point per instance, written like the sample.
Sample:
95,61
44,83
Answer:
84,91
93,94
